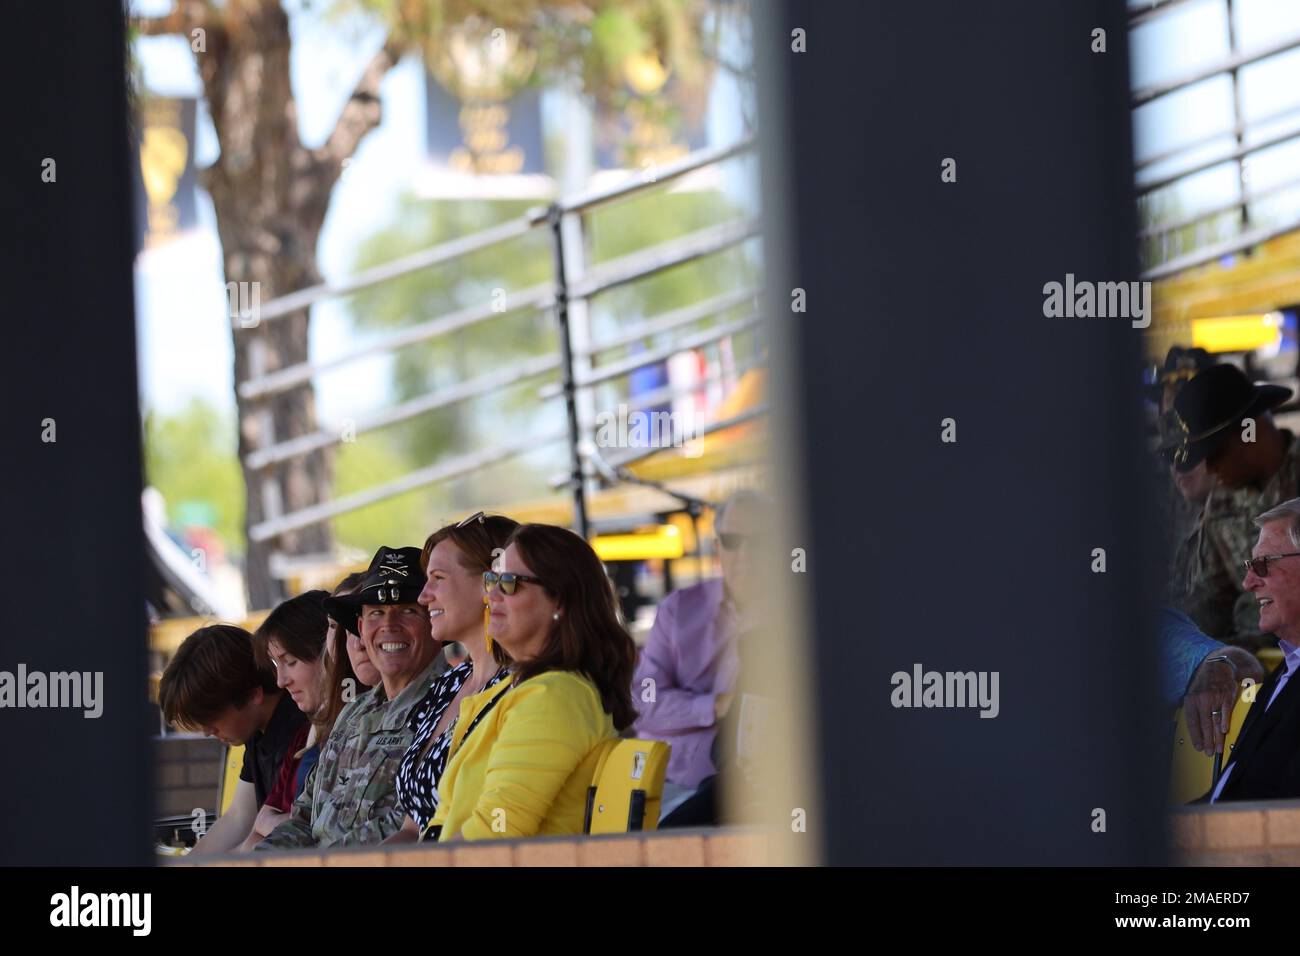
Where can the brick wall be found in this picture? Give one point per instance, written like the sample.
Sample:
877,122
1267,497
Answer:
1237,834
703,847
186,770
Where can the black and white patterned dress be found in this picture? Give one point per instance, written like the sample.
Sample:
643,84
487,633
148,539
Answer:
417,780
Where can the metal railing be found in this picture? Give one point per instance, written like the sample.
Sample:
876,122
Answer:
572,361
1248,234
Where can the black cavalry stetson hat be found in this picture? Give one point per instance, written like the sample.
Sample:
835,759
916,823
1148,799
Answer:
1215,402
394,577
1181,365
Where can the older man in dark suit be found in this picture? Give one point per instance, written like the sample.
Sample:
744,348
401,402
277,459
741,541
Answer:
1266,761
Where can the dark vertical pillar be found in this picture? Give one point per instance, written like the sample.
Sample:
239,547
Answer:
580,523
76,788
925,302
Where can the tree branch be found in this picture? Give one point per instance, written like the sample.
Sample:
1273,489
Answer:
735,69
361,113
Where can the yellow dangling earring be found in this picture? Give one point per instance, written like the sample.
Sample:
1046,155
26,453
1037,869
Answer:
487,619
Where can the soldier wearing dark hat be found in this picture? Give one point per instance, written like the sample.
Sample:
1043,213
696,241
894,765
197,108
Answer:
1180,367
351,796
1185,491
1225,421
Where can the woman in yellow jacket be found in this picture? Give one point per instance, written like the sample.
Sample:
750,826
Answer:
524,752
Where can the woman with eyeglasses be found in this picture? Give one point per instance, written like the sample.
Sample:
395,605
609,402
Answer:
524,752
455,559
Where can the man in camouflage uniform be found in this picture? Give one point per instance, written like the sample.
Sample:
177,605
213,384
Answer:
1183,494
1227,423
350,797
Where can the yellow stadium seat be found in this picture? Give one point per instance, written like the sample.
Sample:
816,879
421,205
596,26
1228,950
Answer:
1192,772
230,777
1270,657
627,787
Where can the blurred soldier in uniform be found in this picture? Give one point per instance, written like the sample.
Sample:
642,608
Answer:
1185,491
1183,504
1226,423
351,796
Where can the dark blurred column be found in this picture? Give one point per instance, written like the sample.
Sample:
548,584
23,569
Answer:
76,789
925,302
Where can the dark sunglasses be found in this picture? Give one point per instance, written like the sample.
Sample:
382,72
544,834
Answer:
476,516
508,580
1260,565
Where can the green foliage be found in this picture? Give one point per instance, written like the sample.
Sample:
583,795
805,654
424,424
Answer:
619,229
653,217
400,522
646,220
616,34
586,39
475,280
191,457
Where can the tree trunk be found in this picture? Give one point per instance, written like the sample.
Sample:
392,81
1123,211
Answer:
301,481
270,196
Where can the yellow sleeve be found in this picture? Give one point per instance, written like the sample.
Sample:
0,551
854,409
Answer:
550,728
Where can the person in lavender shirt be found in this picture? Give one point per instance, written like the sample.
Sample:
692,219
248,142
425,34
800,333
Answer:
686,676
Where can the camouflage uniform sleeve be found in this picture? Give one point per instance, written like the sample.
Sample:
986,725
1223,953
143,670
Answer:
1232,538
379,827
1200,586
1210,601
297,830
365,810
